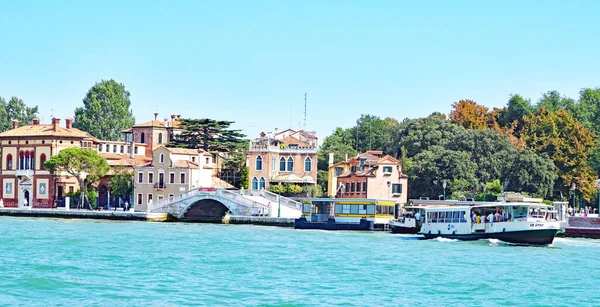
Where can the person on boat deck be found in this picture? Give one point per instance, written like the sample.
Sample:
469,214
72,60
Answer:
483,218
497,217
490,217
417,216
478,219
474,218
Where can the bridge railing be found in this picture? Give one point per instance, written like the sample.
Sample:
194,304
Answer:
275,198
167,201
240,199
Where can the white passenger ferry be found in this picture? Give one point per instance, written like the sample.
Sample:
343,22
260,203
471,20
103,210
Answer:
521,222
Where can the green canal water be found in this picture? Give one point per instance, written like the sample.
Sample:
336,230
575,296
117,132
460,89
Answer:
53,262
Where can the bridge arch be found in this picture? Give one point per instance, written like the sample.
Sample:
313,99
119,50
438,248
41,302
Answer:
209,209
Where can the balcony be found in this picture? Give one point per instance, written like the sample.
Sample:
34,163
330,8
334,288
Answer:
159,186
24,173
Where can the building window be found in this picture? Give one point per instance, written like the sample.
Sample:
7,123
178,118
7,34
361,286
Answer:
347,185
282,164
122,149
135,151
139,199
71,189
31,160
358,187
273,163
193,159
387,169
365,187
290,164
42,161
338,171
307,164
100,148
207,160
150,177
172,178
160,138
352,187
254,183
115,148
259,163
182,178
396,188
262,184
142,138
162,158
140,177
149,198
9,162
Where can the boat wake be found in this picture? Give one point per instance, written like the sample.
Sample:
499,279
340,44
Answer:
440,239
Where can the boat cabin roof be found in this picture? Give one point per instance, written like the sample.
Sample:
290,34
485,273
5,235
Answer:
348,201
485,205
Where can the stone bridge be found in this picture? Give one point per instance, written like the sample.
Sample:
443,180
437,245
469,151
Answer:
201,205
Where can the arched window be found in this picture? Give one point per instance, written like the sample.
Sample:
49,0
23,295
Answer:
254,183
307,164
259,163
142,138
31,160
162,158
21,160
42,161
261,183
9,162
160,138
290,164
282,164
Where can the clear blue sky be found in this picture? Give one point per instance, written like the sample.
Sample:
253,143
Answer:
252,61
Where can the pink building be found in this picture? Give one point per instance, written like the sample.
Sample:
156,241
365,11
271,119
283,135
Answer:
283,157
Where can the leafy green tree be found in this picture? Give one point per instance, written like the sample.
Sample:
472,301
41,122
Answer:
85,165
277,189
106,111
209,135
494,187
518,107
121,183
15,108
553,101
531,173
568,143
340,144
245,178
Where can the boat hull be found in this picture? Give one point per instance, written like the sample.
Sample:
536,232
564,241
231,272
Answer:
331,224
534,237
404,229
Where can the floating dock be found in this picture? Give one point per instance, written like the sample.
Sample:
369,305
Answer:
87,214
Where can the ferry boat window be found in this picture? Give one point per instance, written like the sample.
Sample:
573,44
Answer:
455,217
392,211
337,209
306,207
346,209
354,209
371,209
362,209
519,212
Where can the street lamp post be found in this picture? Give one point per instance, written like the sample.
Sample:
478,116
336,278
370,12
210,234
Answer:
574,187
444,185
484,188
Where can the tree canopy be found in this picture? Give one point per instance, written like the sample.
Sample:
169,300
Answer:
15,108
86,165
106,111
208,134
121,183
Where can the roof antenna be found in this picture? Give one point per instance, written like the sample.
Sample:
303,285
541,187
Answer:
305,94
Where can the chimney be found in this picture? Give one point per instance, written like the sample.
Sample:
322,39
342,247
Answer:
166,122
330,159
275,131
36,121
131,149
15,123
68,122
346,158
55,123
155,115
178,116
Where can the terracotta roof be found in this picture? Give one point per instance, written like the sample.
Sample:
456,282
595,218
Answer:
183,151
46,130
387,158
367,172
125,160
185,164
158,123
292,140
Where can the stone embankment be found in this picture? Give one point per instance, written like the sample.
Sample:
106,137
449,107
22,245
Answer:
582,227
87,214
